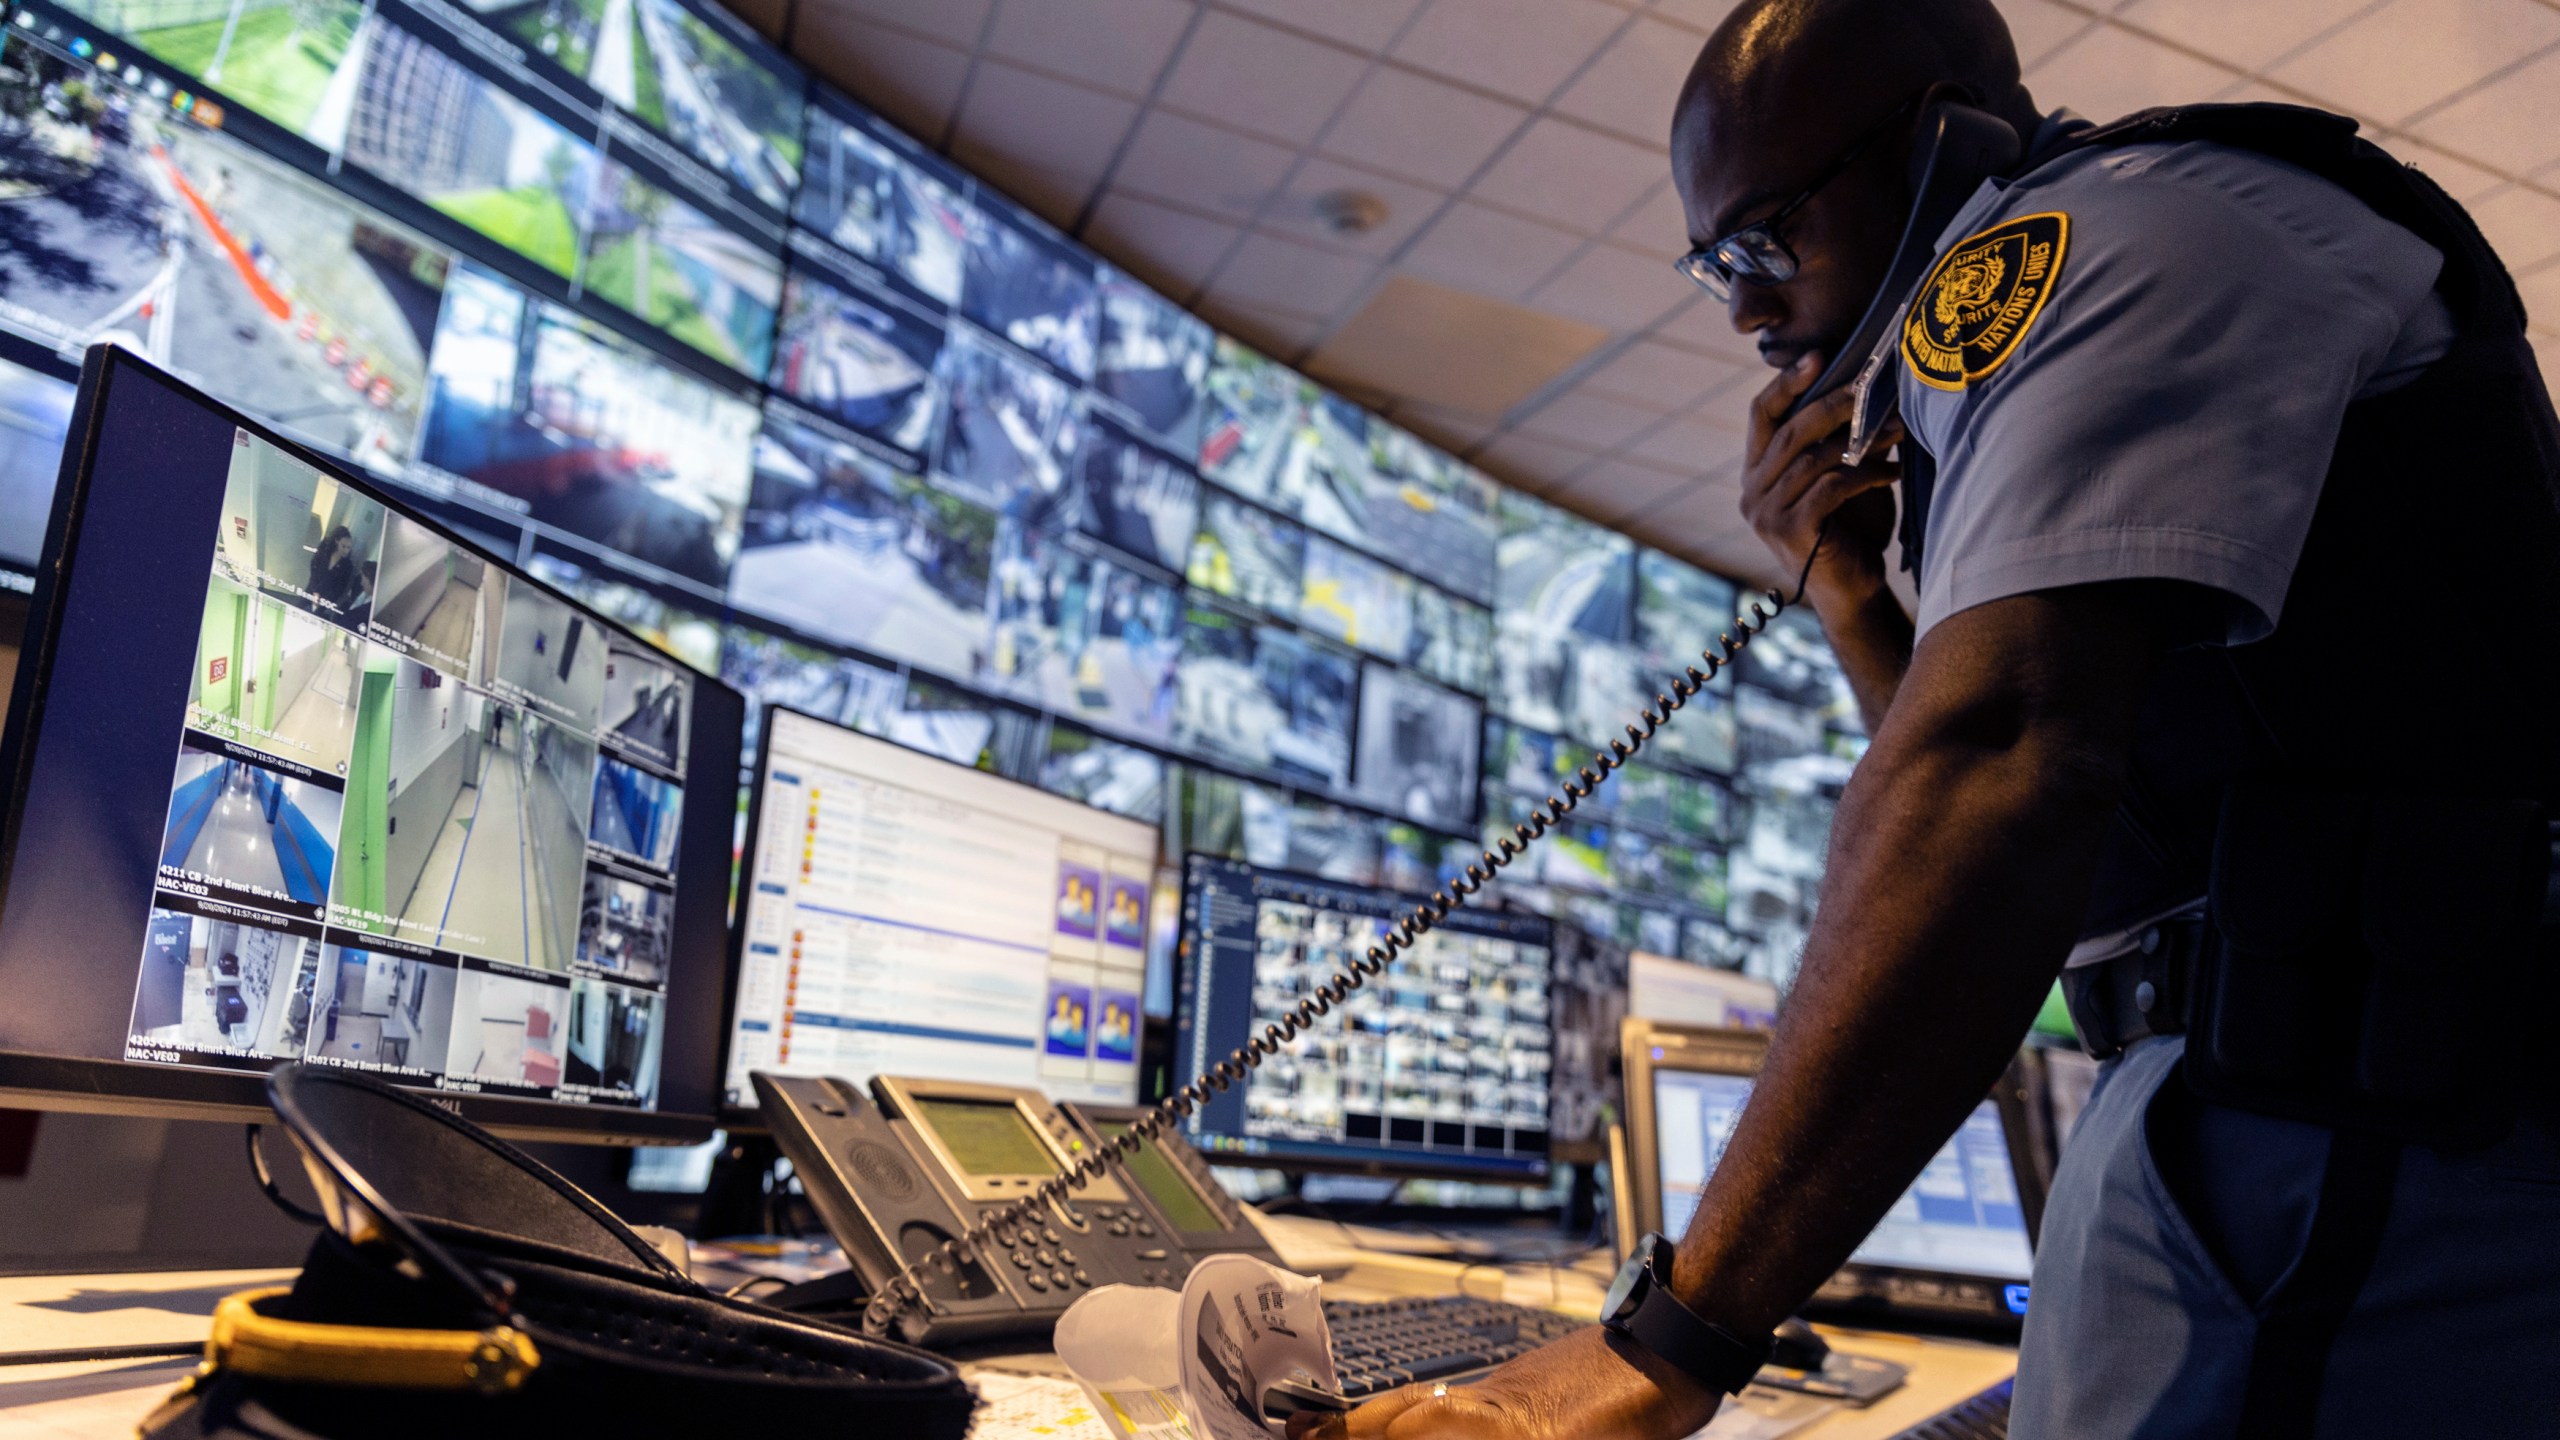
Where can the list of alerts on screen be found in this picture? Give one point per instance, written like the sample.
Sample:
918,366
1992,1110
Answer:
424,814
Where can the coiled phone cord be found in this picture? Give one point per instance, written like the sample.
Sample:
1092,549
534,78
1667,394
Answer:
905,1289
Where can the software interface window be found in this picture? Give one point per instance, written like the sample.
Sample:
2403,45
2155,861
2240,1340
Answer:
1446,1054
906,916
1963,1215
423,817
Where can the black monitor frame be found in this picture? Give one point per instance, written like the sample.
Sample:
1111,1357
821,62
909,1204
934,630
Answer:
42,1081
1392,1163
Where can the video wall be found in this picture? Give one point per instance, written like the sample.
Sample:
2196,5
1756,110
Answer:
612,286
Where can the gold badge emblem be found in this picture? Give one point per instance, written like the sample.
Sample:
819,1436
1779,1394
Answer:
1975,307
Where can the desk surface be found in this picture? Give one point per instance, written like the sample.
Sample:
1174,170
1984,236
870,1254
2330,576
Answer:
87,1400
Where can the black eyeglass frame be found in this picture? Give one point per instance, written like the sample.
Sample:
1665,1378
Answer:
1756,252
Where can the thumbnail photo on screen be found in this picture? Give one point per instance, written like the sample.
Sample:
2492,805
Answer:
1417,748
614,1039
1247,554
874,193
35,419
1356,600
844,546
1031,287
1136,498
1153,362
1010,428
1249,407
1265,697
680,270
132,224
593,436
860,358
1122,779
376,846
1083,636
1680,609
678,71
1452,640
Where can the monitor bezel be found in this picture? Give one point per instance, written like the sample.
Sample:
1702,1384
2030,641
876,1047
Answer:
1404,1165
1855,1290
85,1084
748,1119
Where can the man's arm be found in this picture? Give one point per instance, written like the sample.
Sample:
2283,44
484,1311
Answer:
1960,861
1792,483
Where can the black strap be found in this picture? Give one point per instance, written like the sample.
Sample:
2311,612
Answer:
2306,1312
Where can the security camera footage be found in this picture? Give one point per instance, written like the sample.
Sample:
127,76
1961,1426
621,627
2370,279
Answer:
733,360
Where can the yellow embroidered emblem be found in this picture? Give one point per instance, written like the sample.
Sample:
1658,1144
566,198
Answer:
1969,315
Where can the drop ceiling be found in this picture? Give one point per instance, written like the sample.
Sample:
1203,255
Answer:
1518,147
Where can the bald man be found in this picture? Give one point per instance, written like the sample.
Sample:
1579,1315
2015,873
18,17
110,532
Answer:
2233,697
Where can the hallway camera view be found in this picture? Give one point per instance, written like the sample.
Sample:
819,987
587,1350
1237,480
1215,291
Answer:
437,599
275,679
220,985
647,703
239,828
375,1007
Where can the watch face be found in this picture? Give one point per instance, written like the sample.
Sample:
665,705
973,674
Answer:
1626,1292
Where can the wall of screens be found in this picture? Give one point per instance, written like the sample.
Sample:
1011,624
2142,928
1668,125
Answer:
614,287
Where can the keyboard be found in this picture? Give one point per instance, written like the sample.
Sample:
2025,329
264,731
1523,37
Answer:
1381,1344
1984,1417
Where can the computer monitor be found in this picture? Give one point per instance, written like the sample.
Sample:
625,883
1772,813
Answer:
1438,1067
295,773
903,915
1957,1246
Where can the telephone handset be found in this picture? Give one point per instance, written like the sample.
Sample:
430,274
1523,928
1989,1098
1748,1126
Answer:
1959,148
913,1165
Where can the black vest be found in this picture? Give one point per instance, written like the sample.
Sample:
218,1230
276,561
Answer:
2420,640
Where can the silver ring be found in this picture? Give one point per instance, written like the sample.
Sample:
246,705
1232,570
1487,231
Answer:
1440,1391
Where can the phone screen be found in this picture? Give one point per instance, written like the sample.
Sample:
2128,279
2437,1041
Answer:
987,1137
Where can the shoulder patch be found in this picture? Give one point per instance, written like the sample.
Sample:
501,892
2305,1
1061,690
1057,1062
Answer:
1967,318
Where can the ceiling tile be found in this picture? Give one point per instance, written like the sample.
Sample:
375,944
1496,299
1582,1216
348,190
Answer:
1043,141
957,21
1659,227
1692,447
1297,211
1611,490
2513,121
1115,44
1452,348
2110,72
1704,325
1456,431
1738,552
913,82
1704,15
2461,179
1255,78
1412,125
1275,331
1660,376
2039,28
1268,270
1619,289
1594,422
1689,509
2522,223
2542,300
1537,466
1631,87
1488,251
1577,177
1367,24
2412,53
1166,248
1201,166
2249,36
1520,48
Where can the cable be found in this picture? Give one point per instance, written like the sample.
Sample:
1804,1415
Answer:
164,1350
905,1290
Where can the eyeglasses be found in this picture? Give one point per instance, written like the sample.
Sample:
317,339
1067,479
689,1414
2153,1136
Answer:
1755,252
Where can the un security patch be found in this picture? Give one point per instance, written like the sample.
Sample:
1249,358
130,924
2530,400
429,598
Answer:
1969,315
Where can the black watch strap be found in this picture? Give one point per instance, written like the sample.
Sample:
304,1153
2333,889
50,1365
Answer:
1656,1319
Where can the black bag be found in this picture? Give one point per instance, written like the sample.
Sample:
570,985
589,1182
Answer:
460,1288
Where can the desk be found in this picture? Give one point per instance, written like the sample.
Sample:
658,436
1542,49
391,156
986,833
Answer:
97,1399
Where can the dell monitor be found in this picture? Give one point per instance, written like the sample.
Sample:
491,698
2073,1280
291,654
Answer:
904,915
297,774
1437,1067
1957,1247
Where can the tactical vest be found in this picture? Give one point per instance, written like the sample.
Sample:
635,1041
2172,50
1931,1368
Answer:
2420,640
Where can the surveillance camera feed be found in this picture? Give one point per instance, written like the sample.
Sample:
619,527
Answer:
423,813
1440,1063
614,290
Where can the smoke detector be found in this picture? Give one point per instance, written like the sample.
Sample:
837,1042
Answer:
1350,212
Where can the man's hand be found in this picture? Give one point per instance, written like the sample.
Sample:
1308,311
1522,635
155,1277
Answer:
1591,1385
1792,480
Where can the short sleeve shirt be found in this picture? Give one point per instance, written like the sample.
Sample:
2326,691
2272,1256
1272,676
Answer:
2157,394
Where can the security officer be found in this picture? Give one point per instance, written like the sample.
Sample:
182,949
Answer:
2226,467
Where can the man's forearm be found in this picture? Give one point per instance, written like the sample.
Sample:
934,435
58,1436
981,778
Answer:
1960,862
1870,633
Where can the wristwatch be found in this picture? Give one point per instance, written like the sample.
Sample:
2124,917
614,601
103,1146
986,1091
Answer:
1642,1308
